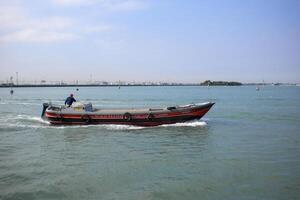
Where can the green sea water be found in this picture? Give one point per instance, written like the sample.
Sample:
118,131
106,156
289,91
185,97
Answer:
246,147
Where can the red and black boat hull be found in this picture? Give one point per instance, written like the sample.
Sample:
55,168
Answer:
149,118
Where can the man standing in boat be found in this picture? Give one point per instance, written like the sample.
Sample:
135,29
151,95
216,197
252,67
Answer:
70,100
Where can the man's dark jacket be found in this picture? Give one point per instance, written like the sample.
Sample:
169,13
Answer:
69,101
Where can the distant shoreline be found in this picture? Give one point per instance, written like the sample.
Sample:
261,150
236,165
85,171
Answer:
131,85
92,85
141,84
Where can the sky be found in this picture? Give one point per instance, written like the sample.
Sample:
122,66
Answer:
150,40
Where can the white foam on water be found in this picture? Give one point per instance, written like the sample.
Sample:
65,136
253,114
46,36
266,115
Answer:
38,122
38,119
24,121
47,125
187,124
105,126
130,127
123,127
32,118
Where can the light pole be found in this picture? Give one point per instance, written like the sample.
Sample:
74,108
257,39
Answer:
17,79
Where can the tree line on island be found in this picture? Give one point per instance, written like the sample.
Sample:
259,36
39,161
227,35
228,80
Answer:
220,83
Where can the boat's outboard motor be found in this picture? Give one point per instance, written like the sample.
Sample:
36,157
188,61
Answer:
45,106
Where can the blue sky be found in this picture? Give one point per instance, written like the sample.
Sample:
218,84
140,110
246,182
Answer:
149,40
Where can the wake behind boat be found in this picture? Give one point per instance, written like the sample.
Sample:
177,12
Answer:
85,114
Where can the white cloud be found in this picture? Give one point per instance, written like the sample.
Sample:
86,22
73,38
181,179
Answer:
16,17
37,36
11,16
96,29
109,5
125,5
17,26
51,23
74,2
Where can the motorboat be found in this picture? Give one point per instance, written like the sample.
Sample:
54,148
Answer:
86,114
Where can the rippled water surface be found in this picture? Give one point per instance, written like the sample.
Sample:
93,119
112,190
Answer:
246,147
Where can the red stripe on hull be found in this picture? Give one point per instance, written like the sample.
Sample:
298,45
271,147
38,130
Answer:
134,116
